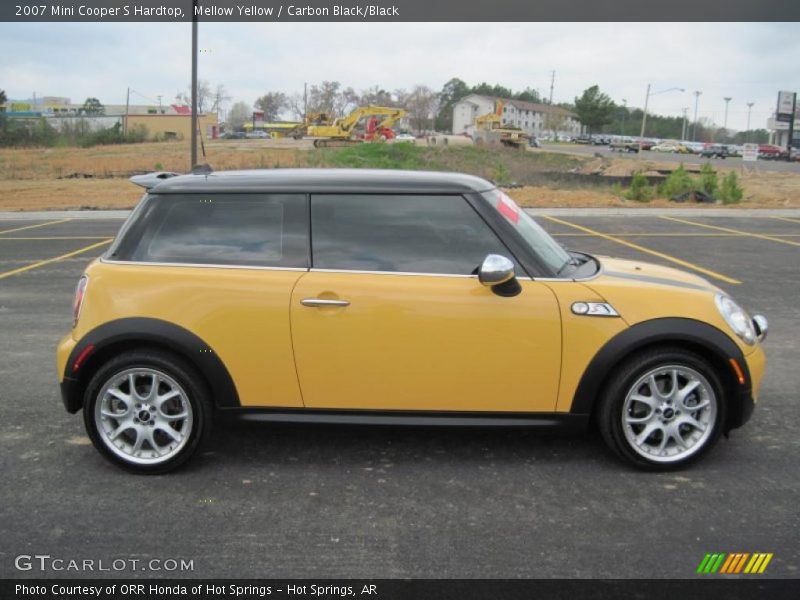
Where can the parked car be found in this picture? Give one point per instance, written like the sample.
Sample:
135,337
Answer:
715,151
405,137
581,139
400,297
258,134
621,144
673,147
770,152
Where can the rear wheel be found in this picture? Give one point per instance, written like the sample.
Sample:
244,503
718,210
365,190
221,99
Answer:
147,411
663,409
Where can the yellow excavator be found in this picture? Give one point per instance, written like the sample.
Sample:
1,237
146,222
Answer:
489,129
341,131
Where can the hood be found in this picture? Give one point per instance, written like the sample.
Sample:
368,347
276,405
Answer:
643,272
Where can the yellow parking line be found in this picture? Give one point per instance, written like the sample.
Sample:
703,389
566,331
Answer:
629,234
42,263
759,236
69,237
789,219
35,226
678,261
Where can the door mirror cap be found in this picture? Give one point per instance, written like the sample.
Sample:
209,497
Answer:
495,270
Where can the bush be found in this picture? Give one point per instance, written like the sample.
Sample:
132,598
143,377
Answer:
708,180
730,191
678,182
639,189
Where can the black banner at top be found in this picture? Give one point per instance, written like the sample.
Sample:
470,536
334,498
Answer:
398,10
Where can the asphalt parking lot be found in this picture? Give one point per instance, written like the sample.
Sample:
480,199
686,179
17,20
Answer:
314,501
781,166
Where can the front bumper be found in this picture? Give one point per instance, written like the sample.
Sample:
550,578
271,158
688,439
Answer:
747,395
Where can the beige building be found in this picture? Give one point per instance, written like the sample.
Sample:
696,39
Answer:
161,127
531,117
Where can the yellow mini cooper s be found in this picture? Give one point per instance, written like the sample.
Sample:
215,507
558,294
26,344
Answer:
374,297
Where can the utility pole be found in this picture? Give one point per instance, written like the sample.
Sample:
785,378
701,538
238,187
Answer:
685,110
725,123
644,121
550,114
127,108
694,125
749,110
194,86
159,104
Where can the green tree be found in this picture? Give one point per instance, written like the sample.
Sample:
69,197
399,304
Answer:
3,97
730,191
708,180
594,108
272,103
452,91
93,107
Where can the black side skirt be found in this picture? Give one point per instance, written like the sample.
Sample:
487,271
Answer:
412,418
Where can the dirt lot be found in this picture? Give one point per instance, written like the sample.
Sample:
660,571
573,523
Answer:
96,178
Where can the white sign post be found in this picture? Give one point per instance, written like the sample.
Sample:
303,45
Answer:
750,152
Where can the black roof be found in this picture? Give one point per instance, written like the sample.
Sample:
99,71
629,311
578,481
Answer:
323,180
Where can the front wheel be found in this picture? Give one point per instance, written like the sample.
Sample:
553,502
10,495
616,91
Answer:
662,409
147,411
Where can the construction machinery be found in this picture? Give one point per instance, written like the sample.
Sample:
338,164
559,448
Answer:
489,129
328,133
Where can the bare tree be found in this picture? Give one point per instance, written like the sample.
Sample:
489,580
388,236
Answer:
221,98
421,105
204,96
272,103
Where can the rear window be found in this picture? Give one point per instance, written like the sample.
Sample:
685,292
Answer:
268,230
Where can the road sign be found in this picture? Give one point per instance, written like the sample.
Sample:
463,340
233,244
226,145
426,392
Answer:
750,152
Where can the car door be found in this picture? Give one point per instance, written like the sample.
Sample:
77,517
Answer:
392,317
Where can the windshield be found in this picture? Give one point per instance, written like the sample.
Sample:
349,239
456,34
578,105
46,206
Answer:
540,242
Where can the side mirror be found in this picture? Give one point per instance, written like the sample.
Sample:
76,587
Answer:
497,272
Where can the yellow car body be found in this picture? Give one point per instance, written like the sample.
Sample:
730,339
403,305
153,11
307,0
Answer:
405,344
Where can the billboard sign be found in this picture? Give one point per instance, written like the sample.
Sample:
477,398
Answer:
786,106
750,152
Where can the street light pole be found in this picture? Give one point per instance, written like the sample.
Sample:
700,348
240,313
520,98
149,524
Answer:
685,110
694,125
624,113
725,124
749,109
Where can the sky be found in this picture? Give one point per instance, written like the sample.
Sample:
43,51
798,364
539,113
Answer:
749,62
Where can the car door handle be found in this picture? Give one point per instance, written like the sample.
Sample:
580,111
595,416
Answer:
320,302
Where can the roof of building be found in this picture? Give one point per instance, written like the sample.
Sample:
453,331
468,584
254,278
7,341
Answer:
524,105
324,180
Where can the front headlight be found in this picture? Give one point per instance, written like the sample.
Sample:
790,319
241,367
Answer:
736,318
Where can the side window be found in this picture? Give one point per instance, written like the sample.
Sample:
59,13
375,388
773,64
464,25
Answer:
399,233
269,230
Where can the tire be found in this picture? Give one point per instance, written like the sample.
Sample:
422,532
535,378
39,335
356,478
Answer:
694,411
146,432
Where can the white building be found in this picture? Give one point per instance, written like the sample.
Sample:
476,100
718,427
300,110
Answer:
528,116
779,131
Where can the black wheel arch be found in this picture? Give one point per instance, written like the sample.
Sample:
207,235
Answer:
121,335
706,340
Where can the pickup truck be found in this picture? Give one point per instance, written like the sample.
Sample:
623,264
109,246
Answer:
624,146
